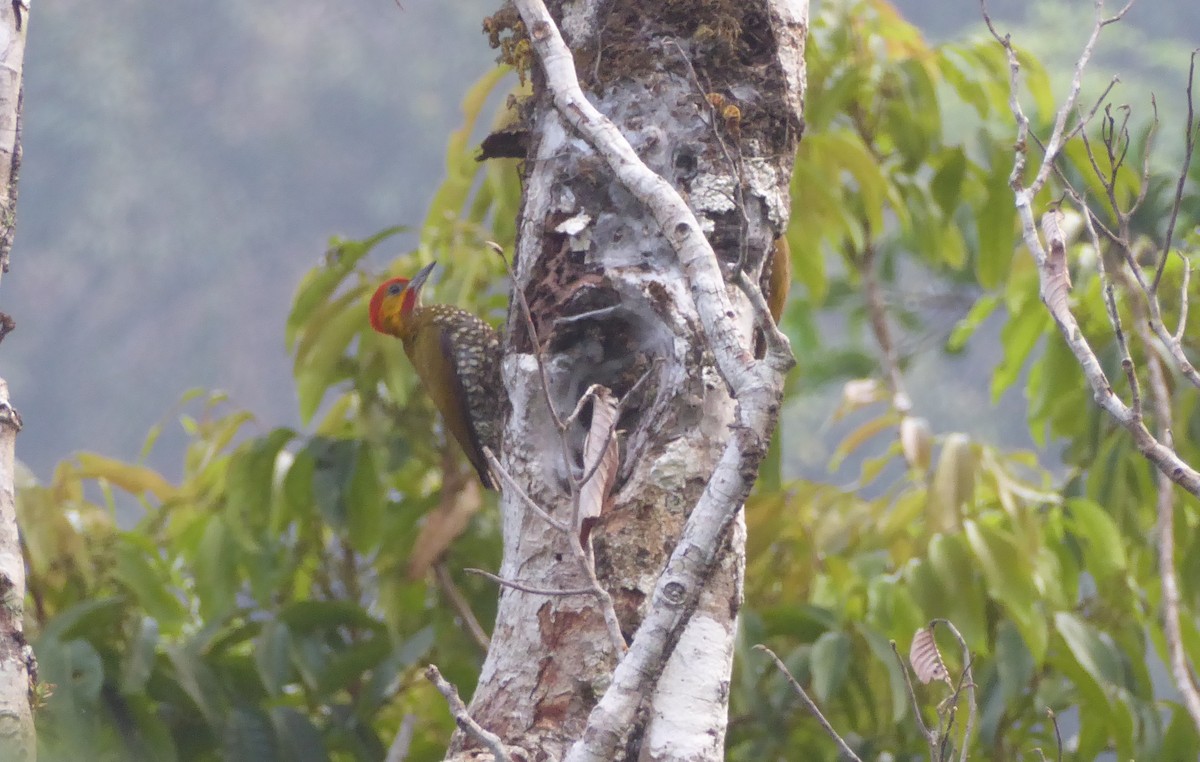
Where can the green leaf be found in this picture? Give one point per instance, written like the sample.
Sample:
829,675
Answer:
452,196
380,684
298,494
300,739
859,436
249,485
1037,82
881,650
75,669
1180,741
319,283
1104,548
1014,663
1019,336
134,479
948,180
335,462
215,570
199,682
139,661
365,501
1009,583
947,585
348,665
913,121
1093,652
152,739
320,351
87,618
843,151
249,735
995,221
980,311
808,265
307,616
272,656
961,76
149,585
829,663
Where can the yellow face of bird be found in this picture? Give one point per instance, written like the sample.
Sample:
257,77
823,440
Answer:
395,300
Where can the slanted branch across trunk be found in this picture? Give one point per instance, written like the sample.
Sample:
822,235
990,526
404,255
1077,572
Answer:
650,204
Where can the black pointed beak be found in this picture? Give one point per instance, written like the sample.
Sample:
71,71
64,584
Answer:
419,279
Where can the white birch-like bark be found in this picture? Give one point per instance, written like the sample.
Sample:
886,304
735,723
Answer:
17,665
628,280
17,738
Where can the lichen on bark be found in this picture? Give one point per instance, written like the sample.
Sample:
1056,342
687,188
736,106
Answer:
611,304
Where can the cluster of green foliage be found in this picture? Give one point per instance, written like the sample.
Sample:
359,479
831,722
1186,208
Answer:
263,607
1051,580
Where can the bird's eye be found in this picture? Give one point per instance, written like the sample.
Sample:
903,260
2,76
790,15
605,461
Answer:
395,289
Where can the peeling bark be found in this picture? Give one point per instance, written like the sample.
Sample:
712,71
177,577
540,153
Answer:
624,282
18,669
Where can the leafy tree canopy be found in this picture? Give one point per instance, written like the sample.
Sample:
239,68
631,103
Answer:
268,604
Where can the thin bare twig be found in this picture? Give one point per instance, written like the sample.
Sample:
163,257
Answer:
527,315
529,502
1110,304
929,736
1085,119
1058,133
810,705
501,752
529,588
460,605
1052,268
1177,659
967,681
1189,145
877,312
1183,302
1058,744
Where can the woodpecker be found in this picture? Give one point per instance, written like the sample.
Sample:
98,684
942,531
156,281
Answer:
456,356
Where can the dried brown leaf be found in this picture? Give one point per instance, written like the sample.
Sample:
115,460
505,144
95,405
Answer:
925,658
1058,276
600,452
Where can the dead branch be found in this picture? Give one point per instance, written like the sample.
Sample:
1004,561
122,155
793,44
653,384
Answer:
810,705
500,751
460,605
524,588
1051,262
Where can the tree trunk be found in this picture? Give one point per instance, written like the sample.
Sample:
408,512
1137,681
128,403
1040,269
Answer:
709,96
18,669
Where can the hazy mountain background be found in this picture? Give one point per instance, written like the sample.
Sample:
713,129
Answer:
185,164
